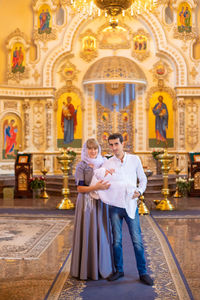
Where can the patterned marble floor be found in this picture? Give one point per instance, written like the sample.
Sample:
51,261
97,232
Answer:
31,279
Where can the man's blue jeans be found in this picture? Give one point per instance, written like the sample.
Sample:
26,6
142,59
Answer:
117,215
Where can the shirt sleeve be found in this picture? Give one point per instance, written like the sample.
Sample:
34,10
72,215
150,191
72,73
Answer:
142,177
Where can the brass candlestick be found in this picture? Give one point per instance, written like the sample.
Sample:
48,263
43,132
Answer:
177,171
44,194
166,160
142,208
64,159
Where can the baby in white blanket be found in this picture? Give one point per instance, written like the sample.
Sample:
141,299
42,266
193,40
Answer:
120,192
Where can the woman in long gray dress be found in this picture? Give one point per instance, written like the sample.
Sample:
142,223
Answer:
91,251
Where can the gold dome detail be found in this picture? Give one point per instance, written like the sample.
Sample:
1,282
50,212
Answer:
114,69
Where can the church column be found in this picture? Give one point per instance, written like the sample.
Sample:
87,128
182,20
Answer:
49,125
27,135
140,121
89,129
49,135
181,124
114,120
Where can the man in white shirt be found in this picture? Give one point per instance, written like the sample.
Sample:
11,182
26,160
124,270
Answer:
132,170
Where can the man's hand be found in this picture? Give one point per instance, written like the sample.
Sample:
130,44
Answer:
136,195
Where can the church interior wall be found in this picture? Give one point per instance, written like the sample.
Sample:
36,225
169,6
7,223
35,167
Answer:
56,66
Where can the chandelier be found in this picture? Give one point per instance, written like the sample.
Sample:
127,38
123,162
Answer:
113,7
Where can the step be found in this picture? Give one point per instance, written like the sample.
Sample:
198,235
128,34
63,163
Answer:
54,185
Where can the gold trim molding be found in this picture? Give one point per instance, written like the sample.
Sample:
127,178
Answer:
26,92
188,91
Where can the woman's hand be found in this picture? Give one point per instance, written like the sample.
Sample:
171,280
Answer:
109,171
102,185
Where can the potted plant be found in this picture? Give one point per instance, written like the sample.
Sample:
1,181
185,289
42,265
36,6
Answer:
184,185
37,184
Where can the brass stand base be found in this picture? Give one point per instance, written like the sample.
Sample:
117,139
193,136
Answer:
44,195
156,202
65,204
142,208
165,205
177,195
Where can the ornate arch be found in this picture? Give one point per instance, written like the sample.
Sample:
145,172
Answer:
61,51
166,49
153,24
68,89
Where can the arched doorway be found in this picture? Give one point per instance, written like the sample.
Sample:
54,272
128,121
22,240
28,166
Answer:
113,81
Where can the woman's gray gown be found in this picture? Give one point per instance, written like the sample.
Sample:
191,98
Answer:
91,251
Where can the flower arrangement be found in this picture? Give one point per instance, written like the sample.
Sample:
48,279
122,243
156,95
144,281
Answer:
184,185
71,152
37,183
156,152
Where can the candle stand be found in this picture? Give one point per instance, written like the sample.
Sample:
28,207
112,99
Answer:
142,208
166,160
64,159
177,171
44,194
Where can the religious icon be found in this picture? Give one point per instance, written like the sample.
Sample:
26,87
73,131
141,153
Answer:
44,18
88,46
17,56
184,18
68,120
105,137
125,137
140,43
104,117
125,117
161,121
10,132
68,71
88,43
160,69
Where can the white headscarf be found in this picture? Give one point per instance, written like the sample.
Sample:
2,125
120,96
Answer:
96,162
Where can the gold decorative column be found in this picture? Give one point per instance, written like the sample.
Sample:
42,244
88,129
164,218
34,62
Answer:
166,160
64,159
177,171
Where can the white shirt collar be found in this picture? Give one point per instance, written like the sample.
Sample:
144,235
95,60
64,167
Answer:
124,158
